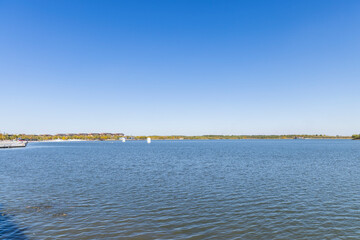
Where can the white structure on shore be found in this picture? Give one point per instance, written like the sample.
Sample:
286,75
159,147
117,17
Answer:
148,140
13,144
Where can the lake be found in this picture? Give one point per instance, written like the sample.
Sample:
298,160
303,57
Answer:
225,189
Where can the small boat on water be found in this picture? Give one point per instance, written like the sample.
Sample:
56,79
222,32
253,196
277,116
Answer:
123,139
148,140
13,144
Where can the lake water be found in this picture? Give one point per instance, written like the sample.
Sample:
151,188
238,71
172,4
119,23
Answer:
242,189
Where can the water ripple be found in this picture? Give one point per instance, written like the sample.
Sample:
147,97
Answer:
182,190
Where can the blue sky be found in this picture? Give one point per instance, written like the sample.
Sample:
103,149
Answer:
180,67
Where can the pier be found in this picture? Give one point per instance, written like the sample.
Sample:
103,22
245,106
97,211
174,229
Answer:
12,144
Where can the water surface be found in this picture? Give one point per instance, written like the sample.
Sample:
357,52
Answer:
241,189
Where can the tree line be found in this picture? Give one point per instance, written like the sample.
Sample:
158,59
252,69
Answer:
356,136
118,136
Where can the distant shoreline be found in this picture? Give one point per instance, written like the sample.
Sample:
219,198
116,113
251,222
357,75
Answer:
117,140
119,136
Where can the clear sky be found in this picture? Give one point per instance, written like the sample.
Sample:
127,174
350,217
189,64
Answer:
180,67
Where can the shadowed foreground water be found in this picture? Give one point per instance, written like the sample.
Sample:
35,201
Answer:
8,229
245,189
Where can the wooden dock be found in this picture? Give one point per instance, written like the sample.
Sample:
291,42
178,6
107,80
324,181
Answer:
12,144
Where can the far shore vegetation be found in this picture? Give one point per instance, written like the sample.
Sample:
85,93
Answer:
356,136
118,136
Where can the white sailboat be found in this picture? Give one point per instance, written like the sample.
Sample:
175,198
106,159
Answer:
148,140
